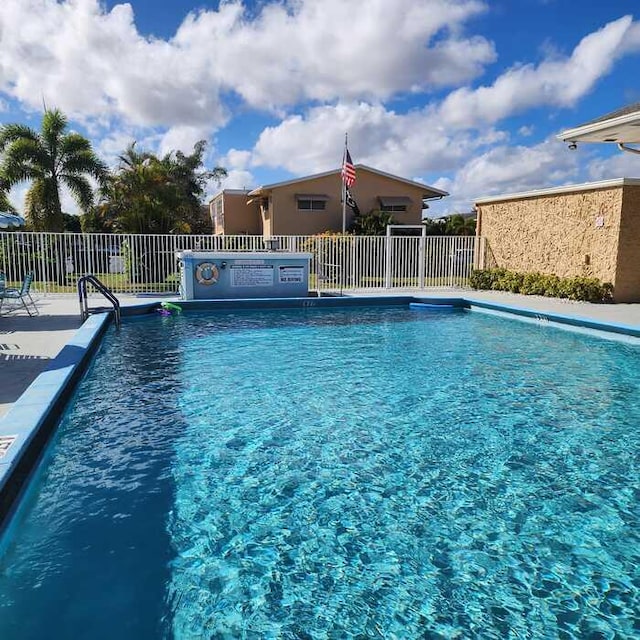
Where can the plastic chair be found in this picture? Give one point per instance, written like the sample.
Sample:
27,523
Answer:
22,294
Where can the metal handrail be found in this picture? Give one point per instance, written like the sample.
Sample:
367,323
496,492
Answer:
85,310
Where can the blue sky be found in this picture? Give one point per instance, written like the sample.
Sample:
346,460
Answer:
464,95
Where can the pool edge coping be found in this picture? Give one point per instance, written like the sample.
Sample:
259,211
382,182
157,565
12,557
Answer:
33,417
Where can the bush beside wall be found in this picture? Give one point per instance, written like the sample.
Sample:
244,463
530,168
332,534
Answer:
538,284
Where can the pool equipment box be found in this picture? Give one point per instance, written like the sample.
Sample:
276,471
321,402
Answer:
206,275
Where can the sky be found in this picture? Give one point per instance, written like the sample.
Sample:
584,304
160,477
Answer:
463,95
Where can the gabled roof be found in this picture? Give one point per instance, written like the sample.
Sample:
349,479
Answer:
430,192
620,126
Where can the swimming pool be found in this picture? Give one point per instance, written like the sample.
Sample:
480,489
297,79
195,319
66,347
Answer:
346,473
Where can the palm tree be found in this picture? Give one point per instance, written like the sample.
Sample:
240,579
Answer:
148,194
49,159
459,225
5,205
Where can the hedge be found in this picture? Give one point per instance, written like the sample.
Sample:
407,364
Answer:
539,284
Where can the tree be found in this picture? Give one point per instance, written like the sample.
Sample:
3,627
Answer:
5,205
373,223
434,226
458,225
49,159
71,223
147,194
453,225
97,220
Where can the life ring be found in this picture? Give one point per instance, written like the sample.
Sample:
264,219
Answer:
207,273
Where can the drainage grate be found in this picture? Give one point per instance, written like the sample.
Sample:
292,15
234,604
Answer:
5,443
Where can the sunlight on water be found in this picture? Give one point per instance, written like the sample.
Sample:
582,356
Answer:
378,473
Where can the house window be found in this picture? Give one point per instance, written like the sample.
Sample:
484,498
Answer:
307,202
394,204
311,205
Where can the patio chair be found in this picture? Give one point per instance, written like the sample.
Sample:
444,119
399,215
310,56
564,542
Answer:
21,295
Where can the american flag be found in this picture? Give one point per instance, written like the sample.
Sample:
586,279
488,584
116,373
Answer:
348,170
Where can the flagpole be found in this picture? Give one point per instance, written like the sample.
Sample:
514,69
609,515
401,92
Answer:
344,188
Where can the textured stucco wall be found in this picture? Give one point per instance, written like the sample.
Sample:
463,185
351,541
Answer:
627,283
555,233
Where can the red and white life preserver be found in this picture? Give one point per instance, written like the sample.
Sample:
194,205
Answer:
207,273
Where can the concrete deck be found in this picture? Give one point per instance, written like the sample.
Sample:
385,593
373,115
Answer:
28,344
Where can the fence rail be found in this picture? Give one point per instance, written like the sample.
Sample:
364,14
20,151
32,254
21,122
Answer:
131,264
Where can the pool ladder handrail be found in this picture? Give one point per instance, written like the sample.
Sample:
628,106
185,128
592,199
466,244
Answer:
85,309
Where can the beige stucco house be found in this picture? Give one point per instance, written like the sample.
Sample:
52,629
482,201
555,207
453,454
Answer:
590,229
310,205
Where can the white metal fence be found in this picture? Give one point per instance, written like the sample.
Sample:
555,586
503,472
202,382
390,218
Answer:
129,263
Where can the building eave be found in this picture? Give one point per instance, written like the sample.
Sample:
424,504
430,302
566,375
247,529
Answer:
618,129
233,192
430,192
572,188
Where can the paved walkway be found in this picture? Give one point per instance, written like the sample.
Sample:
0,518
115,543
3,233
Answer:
28,344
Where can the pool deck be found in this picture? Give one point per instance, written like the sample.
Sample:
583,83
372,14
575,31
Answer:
28,344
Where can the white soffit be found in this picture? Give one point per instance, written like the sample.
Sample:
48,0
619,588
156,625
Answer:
621,129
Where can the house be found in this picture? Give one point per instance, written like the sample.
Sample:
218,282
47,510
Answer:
231,214
590,229
311,205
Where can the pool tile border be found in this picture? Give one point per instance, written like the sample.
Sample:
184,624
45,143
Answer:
564,319
33,417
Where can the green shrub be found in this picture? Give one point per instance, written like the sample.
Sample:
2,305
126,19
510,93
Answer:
482,278
539,284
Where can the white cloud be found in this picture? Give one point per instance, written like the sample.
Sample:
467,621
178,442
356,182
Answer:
181,138
238,179
553,82
93,63
621,164
309,50
239,176
90,62
402,144
506,169
237,159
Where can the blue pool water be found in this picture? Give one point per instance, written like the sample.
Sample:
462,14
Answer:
376,473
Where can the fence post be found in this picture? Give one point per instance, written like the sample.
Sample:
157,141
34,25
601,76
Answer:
421,258
354,254
387,267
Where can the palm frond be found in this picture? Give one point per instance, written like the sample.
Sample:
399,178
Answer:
42,207
73,143
28,156
11,132
54,122
84,161
13,171
5,205
80,189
